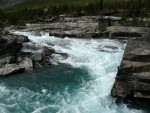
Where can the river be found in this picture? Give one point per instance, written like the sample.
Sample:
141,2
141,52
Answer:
81,84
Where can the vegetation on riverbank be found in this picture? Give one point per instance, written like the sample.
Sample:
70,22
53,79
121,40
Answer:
20,13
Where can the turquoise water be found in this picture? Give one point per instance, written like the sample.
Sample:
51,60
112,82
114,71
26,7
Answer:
82,84
45,90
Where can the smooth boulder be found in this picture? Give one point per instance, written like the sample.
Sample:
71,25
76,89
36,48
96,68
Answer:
22,39
10,69
27,63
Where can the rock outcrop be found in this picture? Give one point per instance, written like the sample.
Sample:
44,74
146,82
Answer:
10,69
9,45
133,78
22,39
39,54
18,54
126,31
86,27
27,64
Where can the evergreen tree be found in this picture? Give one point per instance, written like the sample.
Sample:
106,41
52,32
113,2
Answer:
101,5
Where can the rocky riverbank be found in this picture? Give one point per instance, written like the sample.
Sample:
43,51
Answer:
85,27
133,78
13,60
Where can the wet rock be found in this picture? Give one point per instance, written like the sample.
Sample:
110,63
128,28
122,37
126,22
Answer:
95,35
37,57
9,49
47,51
22,39
142,77
19,59
45,61
27,64
141,96
12,59
86,27
141,90
64,55
4,61
37,33
142,87
133,77
111,47
31,47
6,32
9,46
38,53
22,53
10,69
122,89
47,57
57,57
35,48
63,35
136,58
125,34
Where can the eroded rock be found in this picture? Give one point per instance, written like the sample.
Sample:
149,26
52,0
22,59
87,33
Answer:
9,46
22,39
27,63
10,69
133,77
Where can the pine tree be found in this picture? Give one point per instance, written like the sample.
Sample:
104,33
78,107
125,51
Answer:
101,5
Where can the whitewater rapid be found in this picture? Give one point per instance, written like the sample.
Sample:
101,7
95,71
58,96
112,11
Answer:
99,57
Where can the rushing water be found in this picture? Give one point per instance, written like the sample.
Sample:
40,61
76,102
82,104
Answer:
82,84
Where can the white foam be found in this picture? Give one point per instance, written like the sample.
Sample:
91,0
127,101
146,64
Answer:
44,90
40,109
101,63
